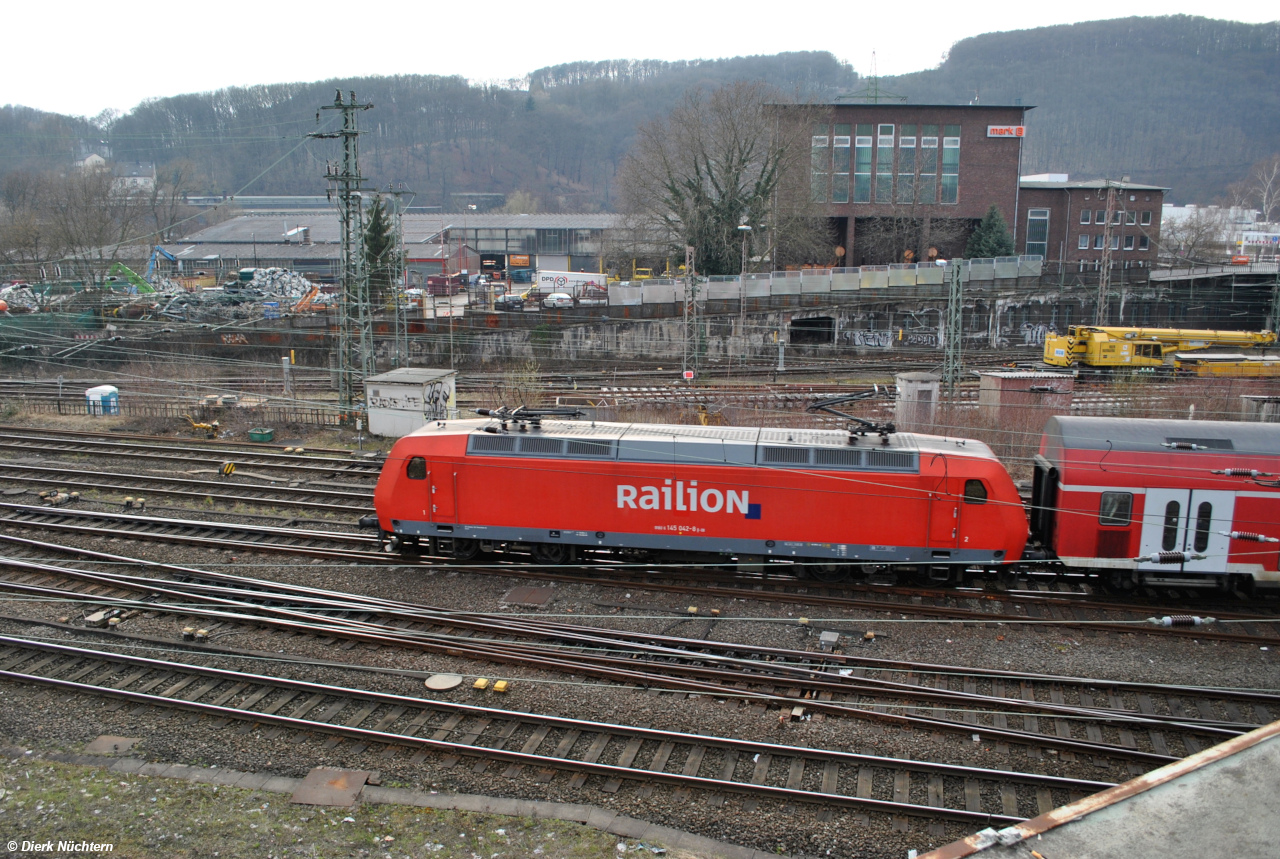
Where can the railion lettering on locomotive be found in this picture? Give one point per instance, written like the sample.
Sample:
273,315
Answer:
686,496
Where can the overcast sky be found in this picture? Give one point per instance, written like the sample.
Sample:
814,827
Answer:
82,58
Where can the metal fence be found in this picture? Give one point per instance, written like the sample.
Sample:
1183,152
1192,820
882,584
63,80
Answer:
263,414
825,280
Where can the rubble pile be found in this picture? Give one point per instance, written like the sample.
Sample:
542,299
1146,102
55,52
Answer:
19,297
278,282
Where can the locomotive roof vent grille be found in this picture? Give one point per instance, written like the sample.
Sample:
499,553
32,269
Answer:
784,455
1200,443
891,459
493,444
588,447
838,457
541,444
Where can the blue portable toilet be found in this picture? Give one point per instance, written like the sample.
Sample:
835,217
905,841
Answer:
102,400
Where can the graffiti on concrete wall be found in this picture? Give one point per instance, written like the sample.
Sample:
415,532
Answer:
921,338
870,339
1033,335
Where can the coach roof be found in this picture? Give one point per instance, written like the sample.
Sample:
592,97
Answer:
1154,435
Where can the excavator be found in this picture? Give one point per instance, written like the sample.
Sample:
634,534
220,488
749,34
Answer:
1105,349
136,281
209,430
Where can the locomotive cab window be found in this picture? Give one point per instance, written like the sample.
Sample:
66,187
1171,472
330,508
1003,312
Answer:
975,492
1116,508
416,468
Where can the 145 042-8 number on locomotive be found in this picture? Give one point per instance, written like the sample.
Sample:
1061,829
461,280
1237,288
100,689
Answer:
1123,499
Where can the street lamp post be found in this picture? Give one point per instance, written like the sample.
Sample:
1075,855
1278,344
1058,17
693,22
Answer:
745,229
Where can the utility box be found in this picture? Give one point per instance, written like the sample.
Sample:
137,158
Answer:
1034,394
917,400
401,401
102,400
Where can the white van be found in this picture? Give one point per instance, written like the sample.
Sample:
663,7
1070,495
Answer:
558,299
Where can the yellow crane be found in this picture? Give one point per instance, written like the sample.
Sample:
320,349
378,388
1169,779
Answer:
1110,348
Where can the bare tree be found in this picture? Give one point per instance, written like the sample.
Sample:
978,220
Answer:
907,235
1200,236
722,159
1262,187
167,201
26,240
92,220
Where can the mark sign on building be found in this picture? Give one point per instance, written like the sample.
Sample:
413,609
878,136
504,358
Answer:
1006,130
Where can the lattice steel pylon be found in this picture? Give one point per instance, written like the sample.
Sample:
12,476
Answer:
355,316
953,345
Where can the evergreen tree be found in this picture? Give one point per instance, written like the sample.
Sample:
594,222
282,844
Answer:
381,255
991,238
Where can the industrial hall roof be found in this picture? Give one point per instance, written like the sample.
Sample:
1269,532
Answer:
270,227
1092,184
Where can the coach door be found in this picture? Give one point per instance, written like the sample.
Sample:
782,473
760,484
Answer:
1183,520
443,484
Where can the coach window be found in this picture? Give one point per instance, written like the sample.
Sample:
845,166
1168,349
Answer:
416,469
975,492
1115,509
1204,519
1172,515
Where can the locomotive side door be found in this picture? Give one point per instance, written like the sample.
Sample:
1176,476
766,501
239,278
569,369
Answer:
944,515
1184,520
441,480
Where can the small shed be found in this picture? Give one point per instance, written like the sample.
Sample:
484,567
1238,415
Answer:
1031,393
917,399
401,401
102,400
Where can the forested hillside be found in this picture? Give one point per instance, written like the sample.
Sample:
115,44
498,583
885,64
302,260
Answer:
1180,101
1184,102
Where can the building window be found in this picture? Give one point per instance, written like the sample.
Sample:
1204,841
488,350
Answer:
950,163
820,162
1115,243
927,158
863,163
1144,243
840,161
884,164
1146,219
1038,232
1128,243
1083,243
1131,218
1100,216
1086,216
907,164
1097,242
1116,217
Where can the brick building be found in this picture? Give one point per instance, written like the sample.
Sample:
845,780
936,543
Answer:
899,177
1068,221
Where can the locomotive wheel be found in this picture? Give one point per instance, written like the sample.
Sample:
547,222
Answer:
1121,583
465,550
829,573
551,553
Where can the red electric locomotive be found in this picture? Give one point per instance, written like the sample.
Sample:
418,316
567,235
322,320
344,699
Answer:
842,502
1151,501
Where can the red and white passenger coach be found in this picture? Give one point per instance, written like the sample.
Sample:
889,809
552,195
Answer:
1157,500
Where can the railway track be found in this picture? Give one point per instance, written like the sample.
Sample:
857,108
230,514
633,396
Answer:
222,536
293,495
1145,724
164,450
609,754
1090,618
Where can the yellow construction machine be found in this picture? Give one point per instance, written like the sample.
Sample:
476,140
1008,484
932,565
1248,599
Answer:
209,430
1105,348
